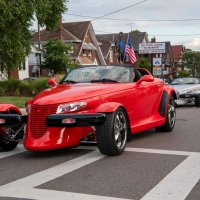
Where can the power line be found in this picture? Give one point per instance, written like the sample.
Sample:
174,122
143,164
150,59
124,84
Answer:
157,35
196,34
137,20
95,18
135,4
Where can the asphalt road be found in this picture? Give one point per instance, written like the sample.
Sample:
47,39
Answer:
154,166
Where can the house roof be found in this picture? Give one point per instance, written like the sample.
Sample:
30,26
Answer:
136,38
78,29
73,31
177,51
105,46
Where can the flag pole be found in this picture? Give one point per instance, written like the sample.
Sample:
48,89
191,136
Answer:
125,48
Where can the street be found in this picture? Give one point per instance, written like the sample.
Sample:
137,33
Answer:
154,166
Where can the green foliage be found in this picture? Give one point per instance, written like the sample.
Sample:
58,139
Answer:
191,60
55,56
19,101
183,73
16,17
17,87
39,85
135,31
144,63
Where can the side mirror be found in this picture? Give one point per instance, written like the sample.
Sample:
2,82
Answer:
52,82
145,78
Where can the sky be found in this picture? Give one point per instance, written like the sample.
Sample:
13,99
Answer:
176,21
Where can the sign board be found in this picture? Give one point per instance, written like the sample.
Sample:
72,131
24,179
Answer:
157,61
151,48
157,66
157,70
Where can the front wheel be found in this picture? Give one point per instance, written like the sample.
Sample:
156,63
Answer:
112,136
170,117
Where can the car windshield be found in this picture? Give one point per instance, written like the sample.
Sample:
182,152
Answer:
93,74
181,81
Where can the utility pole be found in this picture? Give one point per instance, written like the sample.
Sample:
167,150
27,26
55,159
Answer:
39,47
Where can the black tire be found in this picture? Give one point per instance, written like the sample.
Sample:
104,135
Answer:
170,117
5,143
112,136
197,101
7,146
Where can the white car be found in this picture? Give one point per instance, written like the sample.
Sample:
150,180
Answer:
187,90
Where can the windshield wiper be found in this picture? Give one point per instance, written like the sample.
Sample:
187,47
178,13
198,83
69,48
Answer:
104,80
69,81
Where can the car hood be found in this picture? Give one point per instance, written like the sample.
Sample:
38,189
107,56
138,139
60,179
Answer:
186,87
73,92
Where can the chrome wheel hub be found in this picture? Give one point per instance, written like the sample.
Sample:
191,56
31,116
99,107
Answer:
120,130
171,114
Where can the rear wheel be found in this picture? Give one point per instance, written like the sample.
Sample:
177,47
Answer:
112,136
7,142
7,137
170,117
197,101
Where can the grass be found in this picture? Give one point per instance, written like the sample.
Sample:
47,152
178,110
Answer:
16,100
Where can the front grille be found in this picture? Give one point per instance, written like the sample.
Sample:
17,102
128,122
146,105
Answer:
37,119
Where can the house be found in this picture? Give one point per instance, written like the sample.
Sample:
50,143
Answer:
21,73
80,36
34,60
178,51
108,44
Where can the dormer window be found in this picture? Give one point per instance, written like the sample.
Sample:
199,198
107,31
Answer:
84,52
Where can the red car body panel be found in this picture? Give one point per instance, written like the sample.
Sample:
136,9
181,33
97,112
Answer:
6,107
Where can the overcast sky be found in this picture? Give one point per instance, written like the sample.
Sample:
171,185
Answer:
185,32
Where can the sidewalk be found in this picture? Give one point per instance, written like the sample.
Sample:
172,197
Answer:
23,111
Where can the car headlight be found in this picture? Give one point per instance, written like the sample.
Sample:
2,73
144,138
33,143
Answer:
70,107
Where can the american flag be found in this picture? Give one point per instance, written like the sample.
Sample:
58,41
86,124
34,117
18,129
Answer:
130,52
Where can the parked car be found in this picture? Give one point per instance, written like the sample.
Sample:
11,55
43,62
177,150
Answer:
102,104
10,127
187,90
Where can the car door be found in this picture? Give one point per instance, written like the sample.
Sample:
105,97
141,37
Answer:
146,98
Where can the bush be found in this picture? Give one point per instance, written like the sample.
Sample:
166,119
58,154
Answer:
14,87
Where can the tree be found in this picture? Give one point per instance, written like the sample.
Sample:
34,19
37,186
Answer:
144,63
183,73
55,56
15,35
191,60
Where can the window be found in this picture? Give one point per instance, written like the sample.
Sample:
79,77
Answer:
84,52
22,66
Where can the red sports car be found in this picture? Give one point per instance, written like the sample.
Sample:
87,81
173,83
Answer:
102,104
12,132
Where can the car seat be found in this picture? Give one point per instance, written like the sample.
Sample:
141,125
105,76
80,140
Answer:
138,75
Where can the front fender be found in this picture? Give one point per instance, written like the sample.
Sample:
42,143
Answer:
108,107
170,90
165,99
6,107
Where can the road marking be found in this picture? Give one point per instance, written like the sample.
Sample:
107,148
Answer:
158,151
56,171
177,184
18,150
41,194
